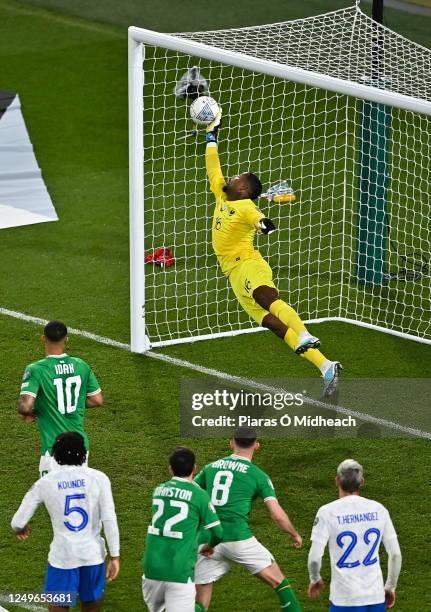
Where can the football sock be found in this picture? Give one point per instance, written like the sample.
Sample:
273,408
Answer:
287,315
313,355
287,597
199,607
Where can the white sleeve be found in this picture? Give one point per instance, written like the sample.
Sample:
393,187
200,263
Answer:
32,499
315,561
390,542
109,517
394,564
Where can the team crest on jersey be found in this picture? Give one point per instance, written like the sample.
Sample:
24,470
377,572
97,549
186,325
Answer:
27,375
316,520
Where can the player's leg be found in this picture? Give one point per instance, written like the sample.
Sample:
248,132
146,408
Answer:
274,577
92,580
153,592
94,606
180,597
204,594
257,559
256,276
267,296
207,571
330,369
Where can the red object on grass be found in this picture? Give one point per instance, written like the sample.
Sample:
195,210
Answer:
162,257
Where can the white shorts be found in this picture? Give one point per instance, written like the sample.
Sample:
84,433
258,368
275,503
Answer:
47,464
168,596
250,553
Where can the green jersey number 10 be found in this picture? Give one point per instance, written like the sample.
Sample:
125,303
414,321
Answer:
67,393
221,488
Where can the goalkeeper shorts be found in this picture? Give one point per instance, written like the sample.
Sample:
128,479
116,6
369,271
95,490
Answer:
245,278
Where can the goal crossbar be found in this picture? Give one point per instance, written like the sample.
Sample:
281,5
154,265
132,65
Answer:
282,71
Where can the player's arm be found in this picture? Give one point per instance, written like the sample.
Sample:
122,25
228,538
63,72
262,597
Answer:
29,389
26,406
23,515
256,219
319,539
110,527
200,479
266,491
212,161
281,519
94,392
211,523
392,547
314,566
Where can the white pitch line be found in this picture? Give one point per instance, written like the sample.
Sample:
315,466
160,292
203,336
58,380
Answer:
238,380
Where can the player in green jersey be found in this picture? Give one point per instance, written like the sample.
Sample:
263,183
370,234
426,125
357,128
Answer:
180,510
233,483
55,392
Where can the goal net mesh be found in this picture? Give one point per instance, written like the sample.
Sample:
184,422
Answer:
311,138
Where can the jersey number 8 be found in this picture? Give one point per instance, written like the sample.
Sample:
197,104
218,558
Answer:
221,488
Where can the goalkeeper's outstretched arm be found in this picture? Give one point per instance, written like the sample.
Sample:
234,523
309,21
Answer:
214,172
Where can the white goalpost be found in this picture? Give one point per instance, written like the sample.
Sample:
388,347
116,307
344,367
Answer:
336,105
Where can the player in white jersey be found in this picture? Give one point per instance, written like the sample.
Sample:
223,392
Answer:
354,527
79,501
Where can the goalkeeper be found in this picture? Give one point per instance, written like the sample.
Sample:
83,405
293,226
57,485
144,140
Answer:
235,223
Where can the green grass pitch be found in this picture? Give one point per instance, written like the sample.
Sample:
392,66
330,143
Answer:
70,69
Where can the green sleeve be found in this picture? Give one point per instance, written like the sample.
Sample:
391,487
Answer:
265,487
30,381
210,521
200,479
93,386
216,535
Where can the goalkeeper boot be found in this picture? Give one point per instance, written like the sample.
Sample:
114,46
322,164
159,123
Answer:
306,341
331,378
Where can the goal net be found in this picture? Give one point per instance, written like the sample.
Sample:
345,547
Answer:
336,105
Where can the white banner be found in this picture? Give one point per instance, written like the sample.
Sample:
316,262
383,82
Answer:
24,198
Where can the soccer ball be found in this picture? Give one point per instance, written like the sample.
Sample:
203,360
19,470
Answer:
204,110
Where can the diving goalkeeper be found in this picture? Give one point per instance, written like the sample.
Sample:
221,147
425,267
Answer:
235,224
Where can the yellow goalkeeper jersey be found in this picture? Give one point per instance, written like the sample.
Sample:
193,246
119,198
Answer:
234,222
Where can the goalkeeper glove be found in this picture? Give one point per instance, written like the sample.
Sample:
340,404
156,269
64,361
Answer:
213,128
266,226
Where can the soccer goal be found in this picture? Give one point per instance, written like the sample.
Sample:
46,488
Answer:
336,105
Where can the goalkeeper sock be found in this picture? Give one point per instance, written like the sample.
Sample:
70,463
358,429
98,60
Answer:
199,607
287,597
287,315
313,355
